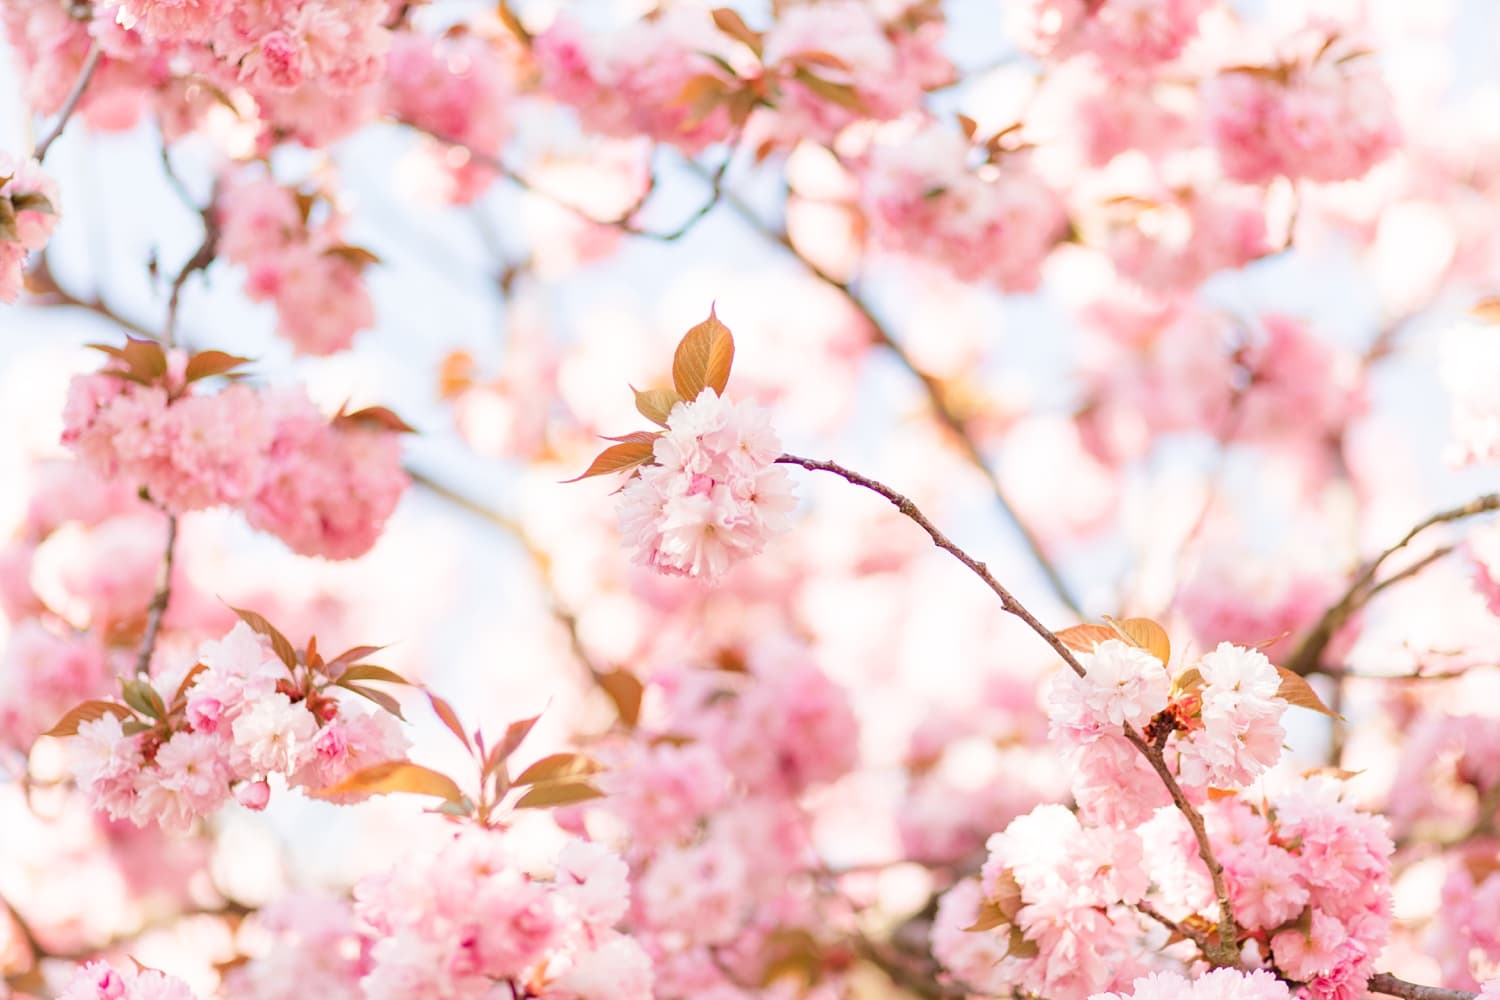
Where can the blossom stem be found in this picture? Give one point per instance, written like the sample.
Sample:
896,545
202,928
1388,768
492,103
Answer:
909,509
1384,982
159,600
1308,657
70,103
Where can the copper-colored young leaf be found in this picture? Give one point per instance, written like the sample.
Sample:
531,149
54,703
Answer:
1146,634
206,363
1021,946
625,690
515,734
449,718
280,644
557,767
396,776
1083,638
989,918
1487,309
353,655
728,20
377,418
87,712
1186,681
617,458
557,793
144,358
817,57
969,126
33,201
1296,691
380,698
841,94
370,672
9,231
655,404
1006,894
703,358
699,94
357,256
187,681
1215,794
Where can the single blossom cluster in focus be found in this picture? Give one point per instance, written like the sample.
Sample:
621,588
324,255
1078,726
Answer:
28,214
228,721
705,491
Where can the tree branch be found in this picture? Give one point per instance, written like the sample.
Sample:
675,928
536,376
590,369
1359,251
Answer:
936,397
159,600
1384,982
1308,656
70,103
47,292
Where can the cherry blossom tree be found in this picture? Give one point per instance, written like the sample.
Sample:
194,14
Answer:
412,584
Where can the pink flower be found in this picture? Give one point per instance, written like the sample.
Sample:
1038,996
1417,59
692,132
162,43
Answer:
29,200
99,981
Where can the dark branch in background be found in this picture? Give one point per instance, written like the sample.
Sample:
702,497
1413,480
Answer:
623,222
1308,657
70,103
539,559
1224,950
942,407
201,258
159,600
1384,982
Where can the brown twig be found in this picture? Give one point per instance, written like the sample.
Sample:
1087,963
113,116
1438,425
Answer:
1220,952
200,260
70,103
1384,982
159,600
1308,656
909,509
47,292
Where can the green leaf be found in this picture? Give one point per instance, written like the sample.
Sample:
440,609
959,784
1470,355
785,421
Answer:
557,767
89,711
396,776
207,363
618,458
703,358
655,404
279,643
142,697
561,793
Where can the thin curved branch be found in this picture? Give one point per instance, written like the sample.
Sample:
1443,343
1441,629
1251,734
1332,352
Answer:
70,103
49,293
1384,982
1308,656
1224,950
937,398
160,599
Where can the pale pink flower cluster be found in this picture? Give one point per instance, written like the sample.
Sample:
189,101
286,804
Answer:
323,487
1465,937
1241,733
1122,685
460,88
1183,237
43,673
1319,119
887,67
28,214
1301,386
714,495
1470,372
627,82
1241,602
102,981
994,224
1124,35
1074,932
315,943
329,487
240,724
303,267
468,918
1218,984
189,453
